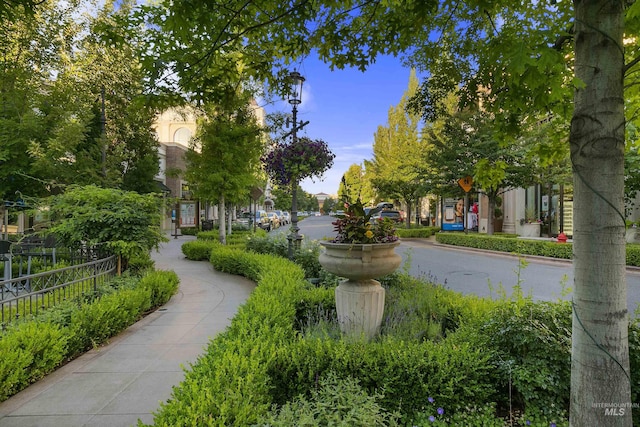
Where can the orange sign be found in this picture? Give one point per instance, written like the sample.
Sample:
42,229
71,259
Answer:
466,183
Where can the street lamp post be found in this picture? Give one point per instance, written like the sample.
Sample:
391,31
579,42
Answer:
295,98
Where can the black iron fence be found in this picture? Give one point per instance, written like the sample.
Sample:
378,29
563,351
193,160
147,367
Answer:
30,294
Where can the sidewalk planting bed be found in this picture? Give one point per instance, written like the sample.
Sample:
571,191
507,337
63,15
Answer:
441,358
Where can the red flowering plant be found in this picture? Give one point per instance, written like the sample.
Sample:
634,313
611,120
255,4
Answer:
300,159
357,225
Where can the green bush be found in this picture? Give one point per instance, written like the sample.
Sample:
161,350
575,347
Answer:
529,345
140,264
633,255
161,285
407,371
200,249
208,235
508,244
423,232
337,402
189,231
93,324
29,350
269,245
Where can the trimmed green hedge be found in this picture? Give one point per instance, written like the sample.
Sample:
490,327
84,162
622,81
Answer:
508,244
200,249
523,246
33,348
423,232
261,359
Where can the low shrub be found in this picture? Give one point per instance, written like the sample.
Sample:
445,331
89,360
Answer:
508,244
189,231
407,371
29,350
161,285
93,324
208,235
277,245
200,249
337,401
532,341
423,232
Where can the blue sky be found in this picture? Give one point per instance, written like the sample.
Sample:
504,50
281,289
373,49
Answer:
344,108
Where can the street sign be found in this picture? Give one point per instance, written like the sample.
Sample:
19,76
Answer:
466,183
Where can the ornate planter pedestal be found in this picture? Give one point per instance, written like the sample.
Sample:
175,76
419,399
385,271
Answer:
360,298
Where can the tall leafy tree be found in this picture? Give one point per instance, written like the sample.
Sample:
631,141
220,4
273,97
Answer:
58,68
355,185
520,58
466,143
31,49
224,158
102,126
397,147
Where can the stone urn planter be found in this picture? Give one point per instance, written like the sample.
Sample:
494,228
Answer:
360,298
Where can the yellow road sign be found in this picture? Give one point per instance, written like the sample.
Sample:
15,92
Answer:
466,183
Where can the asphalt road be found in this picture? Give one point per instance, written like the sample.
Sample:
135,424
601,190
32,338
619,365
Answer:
479,273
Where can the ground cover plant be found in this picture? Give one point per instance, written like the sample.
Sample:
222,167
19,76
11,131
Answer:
441,359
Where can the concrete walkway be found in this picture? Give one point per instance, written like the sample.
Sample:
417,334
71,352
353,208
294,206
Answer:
119,383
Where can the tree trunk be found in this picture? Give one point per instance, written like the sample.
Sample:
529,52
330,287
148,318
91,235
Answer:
221,220
230,219
408,218
491,214
600,351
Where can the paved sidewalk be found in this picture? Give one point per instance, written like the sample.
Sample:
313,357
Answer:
119,383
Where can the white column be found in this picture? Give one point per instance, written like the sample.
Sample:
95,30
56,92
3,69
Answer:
509,212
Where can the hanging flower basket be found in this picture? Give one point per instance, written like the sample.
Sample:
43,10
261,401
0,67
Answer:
300,159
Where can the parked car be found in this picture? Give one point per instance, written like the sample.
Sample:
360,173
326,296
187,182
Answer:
389,213
284,220
274,218
287,217
260,217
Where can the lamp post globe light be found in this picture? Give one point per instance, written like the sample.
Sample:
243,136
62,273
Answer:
295,97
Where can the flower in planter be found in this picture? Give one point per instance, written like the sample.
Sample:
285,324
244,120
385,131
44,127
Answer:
300,159
358,226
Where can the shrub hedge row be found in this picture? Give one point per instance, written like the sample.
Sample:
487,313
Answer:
32,348
424,232
262,359
524,246
508,244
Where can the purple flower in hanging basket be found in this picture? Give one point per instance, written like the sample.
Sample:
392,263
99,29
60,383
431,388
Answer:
300,159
